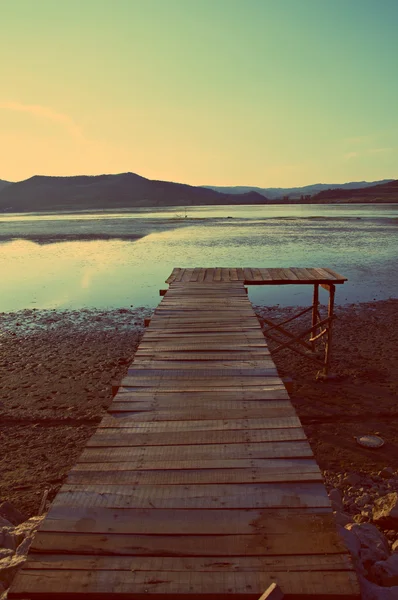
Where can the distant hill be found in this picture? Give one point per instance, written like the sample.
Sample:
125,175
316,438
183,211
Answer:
295,192
127,190
385,192
4,184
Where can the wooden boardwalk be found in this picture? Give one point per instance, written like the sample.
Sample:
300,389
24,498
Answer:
256,276
200,483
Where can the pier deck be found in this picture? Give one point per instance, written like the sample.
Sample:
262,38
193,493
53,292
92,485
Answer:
200,483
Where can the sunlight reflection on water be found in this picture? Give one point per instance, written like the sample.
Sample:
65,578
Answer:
123,273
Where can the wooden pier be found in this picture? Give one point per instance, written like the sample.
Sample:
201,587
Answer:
200,483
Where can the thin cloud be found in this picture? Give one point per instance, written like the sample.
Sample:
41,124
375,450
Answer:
359,139
45,112
350,155
379,150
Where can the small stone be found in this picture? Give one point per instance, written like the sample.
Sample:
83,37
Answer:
336,499
371,591
5,523
385,572
390,534
27,528
372,539
362,500
351,540
351,479
7,539
360,518
367,512
385,511
9,512
342,518
24,546
8,567
386,473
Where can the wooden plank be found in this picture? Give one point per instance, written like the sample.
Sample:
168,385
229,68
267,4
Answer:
248,275
148,411
189,477
174,346
200,452
257,274
335,275
241,275
209,275
204,356
270,564
190,384
173,275
118,437
267,535
139,463
280,275
259,544
271,466
137,425
280,523
265,275
137,585
201,371
153,364
262,392
266,495
270,391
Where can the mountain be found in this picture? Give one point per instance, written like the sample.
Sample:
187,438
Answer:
127,190
385,192
295,192
4,184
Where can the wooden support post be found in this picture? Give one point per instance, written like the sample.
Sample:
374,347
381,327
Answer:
273,593
328,348
315,303
162,292
146,322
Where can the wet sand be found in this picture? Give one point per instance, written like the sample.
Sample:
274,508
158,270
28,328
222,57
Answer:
57,367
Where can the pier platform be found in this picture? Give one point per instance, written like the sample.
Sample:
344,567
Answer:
200,483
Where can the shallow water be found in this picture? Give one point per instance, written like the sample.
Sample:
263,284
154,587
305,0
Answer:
358,241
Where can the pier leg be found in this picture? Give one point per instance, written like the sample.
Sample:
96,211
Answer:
273,593
315,303
328,348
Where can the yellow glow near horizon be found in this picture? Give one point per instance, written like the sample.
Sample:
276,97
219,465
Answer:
220,92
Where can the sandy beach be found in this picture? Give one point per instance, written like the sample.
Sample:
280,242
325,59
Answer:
57,367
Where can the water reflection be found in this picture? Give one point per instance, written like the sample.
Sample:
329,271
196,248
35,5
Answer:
123,273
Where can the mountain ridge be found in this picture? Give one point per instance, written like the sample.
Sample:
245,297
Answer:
274,193
123,190
130,190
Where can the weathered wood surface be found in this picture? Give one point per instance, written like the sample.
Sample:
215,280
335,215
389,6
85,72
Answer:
200,482
256,276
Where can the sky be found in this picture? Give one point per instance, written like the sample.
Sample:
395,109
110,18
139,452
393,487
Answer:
269,93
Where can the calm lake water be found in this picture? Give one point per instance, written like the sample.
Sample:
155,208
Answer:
358,241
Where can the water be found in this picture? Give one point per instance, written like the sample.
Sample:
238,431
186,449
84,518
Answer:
358,241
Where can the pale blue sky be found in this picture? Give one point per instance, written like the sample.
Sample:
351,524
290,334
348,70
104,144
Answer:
223,92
